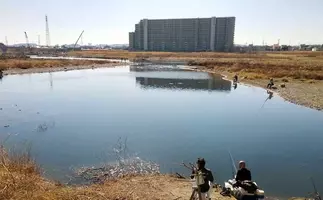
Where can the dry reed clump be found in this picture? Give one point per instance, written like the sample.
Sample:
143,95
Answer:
18,174
43,63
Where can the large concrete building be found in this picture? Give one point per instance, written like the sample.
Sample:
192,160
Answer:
194,34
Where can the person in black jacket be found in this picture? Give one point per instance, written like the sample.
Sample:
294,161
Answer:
235,78
207,175
243,173
271,83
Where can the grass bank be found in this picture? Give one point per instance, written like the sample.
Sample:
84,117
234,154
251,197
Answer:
17,66
20,179
300,72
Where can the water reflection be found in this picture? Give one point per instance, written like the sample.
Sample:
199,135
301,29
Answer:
149,67
195,84
235,85
51,80
270,96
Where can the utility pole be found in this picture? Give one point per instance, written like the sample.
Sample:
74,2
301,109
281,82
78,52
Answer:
38,40
6,40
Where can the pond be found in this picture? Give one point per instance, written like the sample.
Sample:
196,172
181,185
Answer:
74,118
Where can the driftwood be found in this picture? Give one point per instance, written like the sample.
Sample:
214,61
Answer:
133,166
125,164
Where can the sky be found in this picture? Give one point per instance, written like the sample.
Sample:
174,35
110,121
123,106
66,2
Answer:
110,21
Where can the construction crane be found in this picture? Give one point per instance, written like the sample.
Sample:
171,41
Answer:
27,40
78,40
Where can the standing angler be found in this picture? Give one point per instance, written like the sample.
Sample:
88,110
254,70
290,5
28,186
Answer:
207,176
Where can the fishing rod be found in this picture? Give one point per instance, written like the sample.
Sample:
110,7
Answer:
317,194
234,168
188,167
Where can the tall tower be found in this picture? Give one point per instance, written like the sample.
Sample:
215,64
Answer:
47,32
6,40
38,40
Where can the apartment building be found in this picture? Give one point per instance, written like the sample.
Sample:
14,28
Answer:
194,34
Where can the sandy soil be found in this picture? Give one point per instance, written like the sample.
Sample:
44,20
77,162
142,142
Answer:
161,187
56,69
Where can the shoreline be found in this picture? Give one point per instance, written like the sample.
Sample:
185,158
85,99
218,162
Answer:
281,92
18,71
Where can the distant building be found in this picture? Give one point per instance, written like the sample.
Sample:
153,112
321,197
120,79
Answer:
194,34
131,41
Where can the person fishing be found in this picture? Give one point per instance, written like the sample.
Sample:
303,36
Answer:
243,173
207,176
271,83
235,78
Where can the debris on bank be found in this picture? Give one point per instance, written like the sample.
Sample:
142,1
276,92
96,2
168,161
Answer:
133,166
126,164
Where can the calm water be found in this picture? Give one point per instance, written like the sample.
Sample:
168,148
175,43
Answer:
73,118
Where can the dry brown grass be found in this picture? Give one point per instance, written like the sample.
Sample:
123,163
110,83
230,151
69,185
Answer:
43,63
296,69
20,179
296,65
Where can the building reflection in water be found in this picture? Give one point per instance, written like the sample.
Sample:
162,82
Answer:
190,84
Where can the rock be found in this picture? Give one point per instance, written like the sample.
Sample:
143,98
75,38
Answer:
274,87
282,85
285,80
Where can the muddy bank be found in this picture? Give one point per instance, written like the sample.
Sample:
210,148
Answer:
56,69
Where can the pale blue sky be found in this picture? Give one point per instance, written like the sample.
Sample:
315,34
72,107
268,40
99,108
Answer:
109,21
